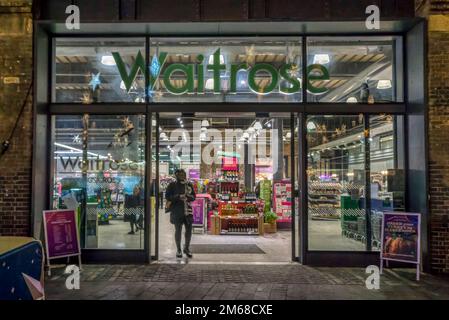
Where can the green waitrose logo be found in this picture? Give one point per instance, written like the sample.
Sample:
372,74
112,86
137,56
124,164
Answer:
192,71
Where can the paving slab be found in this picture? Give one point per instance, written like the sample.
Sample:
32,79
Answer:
241,282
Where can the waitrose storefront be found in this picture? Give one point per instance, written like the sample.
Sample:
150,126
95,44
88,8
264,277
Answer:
332,115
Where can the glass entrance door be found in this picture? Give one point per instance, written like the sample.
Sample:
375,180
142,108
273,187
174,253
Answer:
243,169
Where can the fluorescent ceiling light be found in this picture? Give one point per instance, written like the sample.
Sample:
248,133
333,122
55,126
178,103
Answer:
108,60
311,126
211,59
209,84
384,84
321,59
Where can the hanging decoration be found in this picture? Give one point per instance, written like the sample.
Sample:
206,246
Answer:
87,98
76,139
95,81
250,55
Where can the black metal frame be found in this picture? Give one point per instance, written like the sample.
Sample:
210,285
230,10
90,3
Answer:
298,111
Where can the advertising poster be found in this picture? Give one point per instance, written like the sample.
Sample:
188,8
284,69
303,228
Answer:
198,211
229,164
282,199
194,174
61,233
401,237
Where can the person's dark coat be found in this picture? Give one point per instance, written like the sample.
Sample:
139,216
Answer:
177,208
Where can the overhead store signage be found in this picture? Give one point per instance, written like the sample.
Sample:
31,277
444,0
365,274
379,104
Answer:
194,74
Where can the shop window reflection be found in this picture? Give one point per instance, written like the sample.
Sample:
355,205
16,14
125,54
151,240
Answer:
336,182
99,170
355,69
387,175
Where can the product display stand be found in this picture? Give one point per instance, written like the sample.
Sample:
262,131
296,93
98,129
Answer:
386,255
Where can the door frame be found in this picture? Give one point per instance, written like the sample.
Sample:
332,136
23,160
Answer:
293,175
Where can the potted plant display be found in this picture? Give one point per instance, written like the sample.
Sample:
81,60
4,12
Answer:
270,222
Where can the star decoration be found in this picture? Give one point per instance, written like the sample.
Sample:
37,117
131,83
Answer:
127,123
95,82
155,67
77,139
86,99
293,71
250,55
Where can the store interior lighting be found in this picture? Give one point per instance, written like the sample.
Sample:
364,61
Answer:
384,84
321,59
311,126
211,59
108,60
258,125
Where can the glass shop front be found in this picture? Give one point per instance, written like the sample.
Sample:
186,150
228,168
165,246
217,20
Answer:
282,160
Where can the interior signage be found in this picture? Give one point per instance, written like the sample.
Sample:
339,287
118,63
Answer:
194,73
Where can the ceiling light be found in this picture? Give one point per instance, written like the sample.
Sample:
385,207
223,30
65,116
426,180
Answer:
352,100
311,126
108,60
209,84
383,84
258,125
211,59
321,59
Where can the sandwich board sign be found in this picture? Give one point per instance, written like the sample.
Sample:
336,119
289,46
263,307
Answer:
401,239
61,235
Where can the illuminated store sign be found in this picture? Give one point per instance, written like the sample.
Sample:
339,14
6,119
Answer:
283,78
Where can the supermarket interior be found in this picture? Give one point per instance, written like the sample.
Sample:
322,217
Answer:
240,165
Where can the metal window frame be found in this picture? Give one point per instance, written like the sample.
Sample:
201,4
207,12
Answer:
299,110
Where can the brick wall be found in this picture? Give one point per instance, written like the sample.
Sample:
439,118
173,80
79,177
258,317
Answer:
15,77
438,81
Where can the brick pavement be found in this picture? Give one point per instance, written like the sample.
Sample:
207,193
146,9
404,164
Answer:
241,282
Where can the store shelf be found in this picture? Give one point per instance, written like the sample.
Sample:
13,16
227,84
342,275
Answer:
240,233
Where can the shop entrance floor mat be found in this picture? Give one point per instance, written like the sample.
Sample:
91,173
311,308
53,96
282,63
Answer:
226,249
